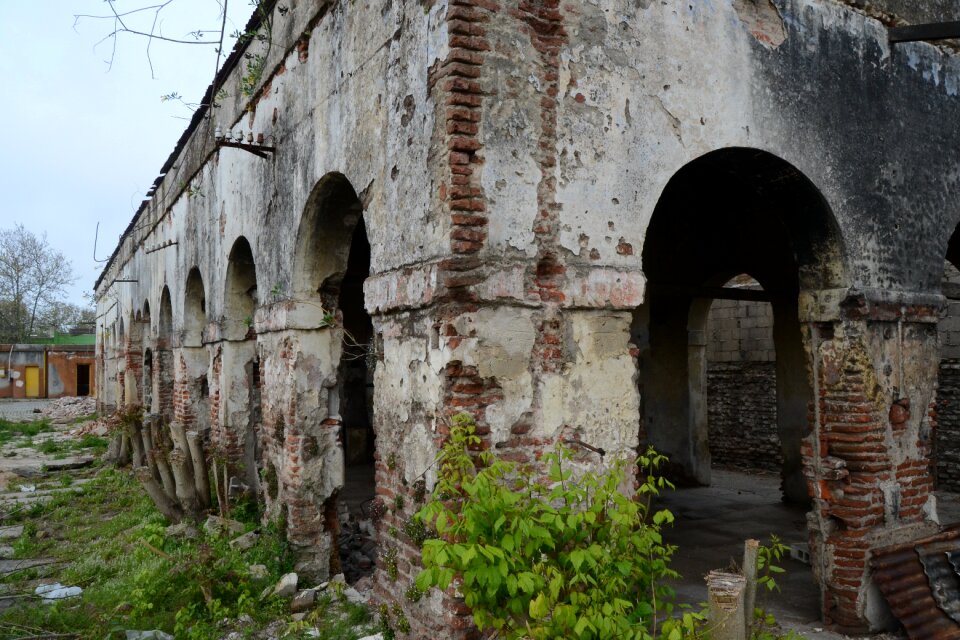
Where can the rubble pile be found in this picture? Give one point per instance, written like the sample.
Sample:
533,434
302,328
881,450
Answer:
66,410
358,548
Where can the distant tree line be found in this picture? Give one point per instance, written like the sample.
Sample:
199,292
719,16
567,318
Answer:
33,285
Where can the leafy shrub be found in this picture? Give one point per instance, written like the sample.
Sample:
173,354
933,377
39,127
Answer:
554,557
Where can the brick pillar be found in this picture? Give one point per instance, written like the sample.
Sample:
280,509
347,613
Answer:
302,456
133,376
867,460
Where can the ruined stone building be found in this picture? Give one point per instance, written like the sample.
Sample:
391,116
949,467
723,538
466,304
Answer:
524,209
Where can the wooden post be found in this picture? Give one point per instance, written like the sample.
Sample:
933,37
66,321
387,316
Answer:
725,594
750,549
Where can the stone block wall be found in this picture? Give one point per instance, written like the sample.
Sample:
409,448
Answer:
742,412
742,383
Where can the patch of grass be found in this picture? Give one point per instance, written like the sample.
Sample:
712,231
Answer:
335,618
113,544
51,447
86,418
90,441
10,430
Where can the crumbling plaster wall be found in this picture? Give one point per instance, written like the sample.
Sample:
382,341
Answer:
509,156
345,92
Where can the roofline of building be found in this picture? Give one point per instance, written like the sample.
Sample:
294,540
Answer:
234,59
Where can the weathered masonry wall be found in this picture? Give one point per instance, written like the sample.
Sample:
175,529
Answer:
57,370
948,391
519,208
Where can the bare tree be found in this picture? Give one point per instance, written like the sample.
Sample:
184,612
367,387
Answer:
67,317
33,278
146,22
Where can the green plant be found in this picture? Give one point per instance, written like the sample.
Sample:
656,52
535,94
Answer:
254,72
413,594
566,558
51,447
765,625
389,559
403,625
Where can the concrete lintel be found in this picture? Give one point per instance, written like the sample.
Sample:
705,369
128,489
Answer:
830,305
289,314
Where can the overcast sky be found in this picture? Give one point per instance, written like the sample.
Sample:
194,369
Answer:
83,142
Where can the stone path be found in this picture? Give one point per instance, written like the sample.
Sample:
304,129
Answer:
26,476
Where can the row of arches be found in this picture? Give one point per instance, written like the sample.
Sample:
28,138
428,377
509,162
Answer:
184,364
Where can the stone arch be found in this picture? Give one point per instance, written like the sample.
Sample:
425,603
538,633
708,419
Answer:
238,423
194,310
731,211
191,401
331,262
324,236
240,292
732,360
165,319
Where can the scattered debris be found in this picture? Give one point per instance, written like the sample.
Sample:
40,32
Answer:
182,530
286,587
65,410
215,525
358,547
246,541
154,634
258,571
56,591
303,601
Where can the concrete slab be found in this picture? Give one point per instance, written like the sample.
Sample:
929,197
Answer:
12,566
10,532
21,410
711,527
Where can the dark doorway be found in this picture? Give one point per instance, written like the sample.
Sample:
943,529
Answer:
83,379
356,373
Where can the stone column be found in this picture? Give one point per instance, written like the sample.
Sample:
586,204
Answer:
874,361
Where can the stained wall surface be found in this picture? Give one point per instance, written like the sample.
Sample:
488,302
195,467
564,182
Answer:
56,370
